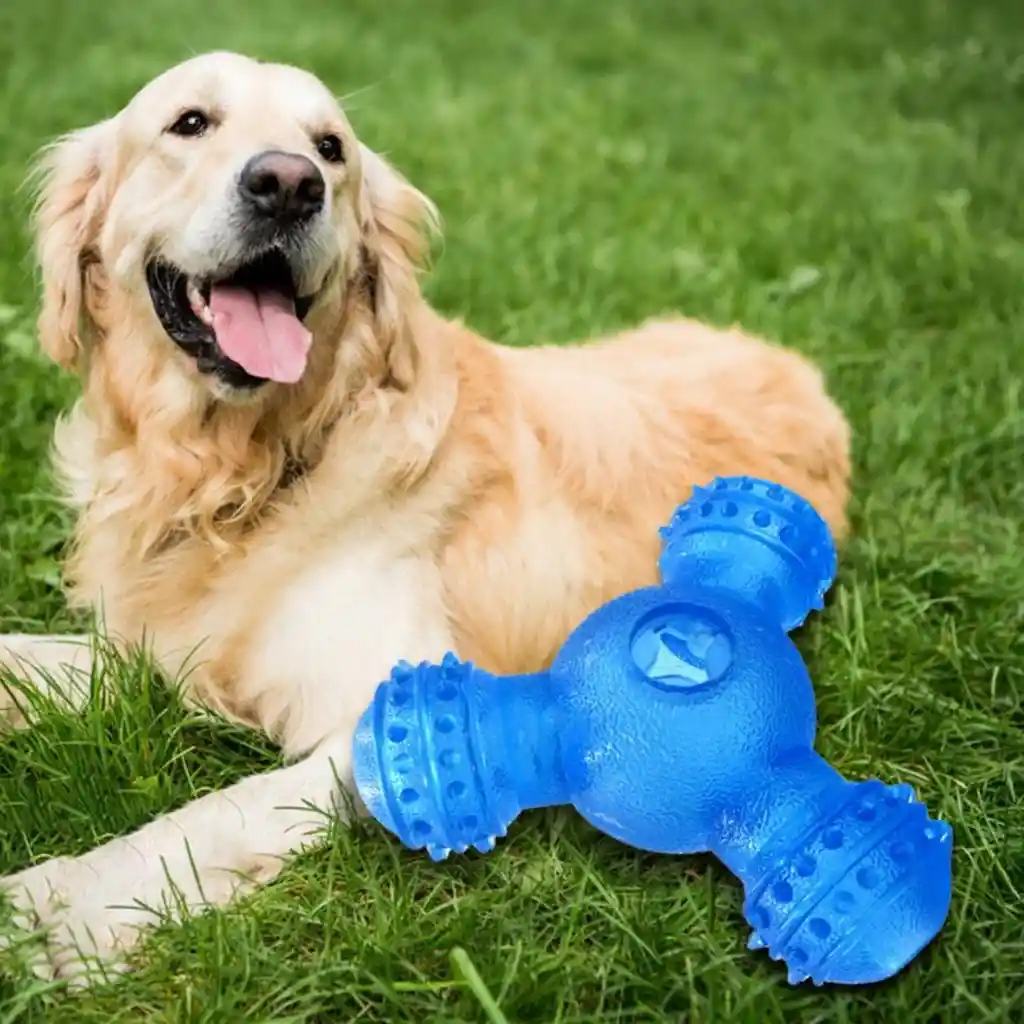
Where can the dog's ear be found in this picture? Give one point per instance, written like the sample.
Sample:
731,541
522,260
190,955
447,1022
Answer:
73,193
399,223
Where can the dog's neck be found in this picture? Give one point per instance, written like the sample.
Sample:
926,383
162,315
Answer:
160,476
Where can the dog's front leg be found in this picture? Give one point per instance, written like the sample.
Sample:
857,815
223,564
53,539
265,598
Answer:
200,855
58,668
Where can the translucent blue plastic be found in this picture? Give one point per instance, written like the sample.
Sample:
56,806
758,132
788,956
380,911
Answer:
680,719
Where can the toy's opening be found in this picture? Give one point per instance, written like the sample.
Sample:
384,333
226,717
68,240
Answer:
682,646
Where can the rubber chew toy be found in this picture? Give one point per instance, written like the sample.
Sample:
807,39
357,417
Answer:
681,719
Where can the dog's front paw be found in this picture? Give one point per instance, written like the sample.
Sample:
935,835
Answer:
70,922
73,916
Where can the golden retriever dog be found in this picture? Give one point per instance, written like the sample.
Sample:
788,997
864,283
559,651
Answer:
289,472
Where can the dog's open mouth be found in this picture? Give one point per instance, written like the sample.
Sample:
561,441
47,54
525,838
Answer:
246,327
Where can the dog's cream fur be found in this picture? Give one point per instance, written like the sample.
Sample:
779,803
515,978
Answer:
459,494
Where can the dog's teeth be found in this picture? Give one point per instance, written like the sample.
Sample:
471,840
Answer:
199,304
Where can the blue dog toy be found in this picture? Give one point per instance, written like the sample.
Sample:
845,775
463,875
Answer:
681,719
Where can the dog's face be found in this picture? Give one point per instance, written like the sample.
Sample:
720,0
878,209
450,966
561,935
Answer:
224,207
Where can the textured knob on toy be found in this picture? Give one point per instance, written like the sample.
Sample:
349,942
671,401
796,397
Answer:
680,719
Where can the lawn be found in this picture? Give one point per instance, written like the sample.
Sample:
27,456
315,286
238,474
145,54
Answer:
844,177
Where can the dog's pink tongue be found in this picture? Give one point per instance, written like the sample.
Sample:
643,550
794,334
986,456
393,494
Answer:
260,332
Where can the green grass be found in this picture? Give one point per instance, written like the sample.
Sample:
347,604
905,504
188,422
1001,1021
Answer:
844,177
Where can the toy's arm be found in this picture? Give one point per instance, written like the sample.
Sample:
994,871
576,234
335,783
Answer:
754,539
447,756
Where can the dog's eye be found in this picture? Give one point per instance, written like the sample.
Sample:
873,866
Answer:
329,147
192,122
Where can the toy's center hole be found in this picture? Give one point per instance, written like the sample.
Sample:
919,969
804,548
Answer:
682,646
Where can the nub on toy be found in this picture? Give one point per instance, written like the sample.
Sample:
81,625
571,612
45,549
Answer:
680,719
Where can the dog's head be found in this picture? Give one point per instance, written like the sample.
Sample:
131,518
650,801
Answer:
216,229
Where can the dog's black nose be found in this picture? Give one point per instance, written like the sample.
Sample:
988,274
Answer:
284,186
